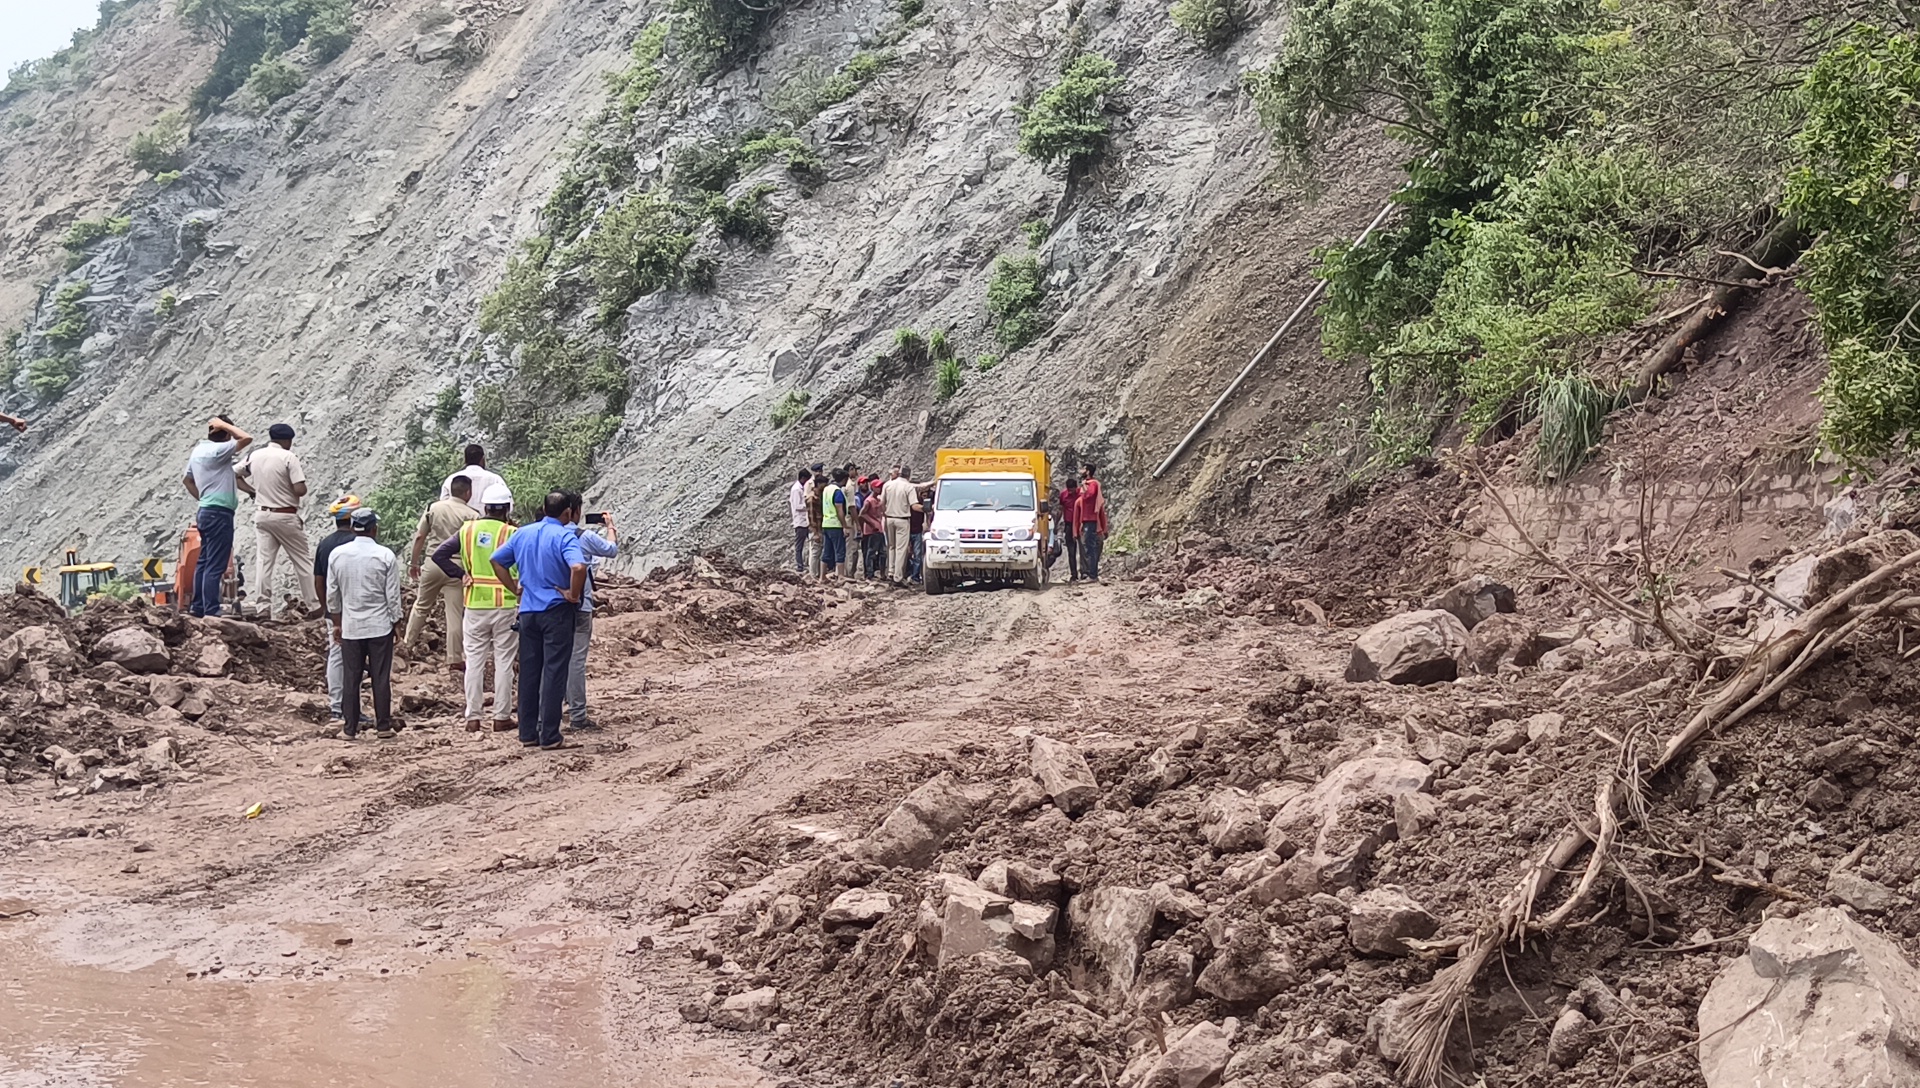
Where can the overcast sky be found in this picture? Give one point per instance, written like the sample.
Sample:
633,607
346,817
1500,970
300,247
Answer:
31,29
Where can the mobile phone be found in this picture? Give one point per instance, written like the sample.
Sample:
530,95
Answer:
598,517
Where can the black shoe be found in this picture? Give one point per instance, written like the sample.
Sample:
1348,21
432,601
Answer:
383,734
584,725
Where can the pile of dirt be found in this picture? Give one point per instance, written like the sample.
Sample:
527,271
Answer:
106,685
710,599
1249,901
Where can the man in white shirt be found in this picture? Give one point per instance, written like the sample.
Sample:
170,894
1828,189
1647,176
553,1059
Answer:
363,597
797,513
277,482
478,475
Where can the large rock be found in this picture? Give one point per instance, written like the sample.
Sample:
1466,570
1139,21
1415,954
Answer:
975,920
1166,979
1064,774
1474,601
160,756
1233,822
1381,921
1411,648
1839,569
1501,640
1322,818
442,41
1112,926
1818,1001
134,650
858,907
1249,969
914,831
37,643
237,632
751,1011
1198,1059
1018,880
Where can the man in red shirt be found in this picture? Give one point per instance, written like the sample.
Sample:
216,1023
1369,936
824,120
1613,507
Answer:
1069,528
1093,523
873,532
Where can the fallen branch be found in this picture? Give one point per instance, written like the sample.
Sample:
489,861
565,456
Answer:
1768,670
1778,246
1749,579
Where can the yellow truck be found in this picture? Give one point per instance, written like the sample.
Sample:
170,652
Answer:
988,520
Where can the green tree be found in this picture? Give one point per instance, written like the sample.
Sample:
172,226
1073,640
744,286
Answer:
1858,189
1067,121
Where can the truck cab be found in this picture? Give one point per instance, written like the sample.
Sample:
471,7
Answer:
989,519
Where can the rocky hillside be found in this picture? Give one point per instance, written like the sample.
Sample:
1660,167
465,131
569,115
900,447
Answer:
320,255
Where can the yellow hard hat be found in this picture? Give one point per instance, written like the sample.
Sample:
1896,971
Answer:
344,506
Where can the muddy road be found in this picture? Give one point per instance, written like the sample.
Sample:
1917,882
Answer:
448,907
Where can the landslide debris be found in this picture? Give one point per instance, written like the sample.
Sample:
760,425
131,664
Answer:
1254,900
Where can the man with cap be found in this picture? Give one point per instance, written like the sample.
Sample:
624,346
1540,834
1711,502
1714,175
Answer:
550,578
363,597
487,625
276,480
432,585
210,480
342,513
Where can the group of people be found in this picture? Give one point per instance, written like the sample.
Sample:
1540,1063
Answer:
518,599
846,523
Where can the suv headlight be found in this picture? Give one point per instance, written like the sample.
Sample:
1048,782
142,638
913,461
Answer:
946,534
1019,534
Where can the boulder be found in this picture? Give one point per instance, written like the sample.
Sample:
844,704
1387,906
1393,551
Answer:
1381,920
1024,796
1861,894
1112,926
1545,725
913,832
1842,567
975,920
1249,968
237,632
1790,582
784,914
1320,819
750,1011
1064,774
1474,601
1817,1001
441,41
1198,1059
1019,880
858,907
1571,1035
1499,641
134,650
160,756
213,660
1411,648
1165,981
1414,814
39,643
1232,821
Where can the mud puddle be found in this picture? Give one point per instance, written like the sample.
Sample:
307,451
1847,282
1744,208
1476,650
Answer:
471,1024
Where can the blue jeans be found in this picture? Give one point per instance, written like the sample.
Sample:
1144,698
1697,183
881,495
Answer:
835,551
546,650
1090,546
216,550
916,548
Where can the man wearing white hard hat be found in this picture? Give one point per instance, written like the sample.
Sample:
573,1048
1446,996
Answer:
491,609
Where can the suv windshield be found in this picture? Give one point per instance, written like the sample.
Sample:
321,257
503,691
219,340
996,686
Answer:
984,495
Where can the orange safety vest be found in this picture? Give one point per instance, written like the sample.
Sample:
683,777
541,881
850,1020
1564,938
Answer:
478,540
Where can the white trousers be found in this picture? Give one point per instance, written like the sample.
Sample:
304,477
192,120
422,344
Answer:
488,634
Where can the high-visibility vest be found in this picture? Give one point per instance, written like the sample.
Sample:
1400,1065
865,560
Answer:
478,539
829,518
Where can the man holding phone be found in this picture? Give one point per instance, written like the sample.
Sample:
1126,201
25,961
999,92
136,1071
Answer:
600,545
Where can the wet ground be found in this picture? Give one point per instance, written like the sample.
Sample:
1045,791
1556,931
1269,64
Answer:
447,908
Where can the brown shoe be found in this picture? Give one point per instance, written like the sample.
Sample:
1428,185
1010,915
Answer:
505,725
474,725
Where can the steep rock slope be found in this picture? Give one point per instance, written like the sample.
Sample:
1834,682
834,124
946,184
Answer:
327,257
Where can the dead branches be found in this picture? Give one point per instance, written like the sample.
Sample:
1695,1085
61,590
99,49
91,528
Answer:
1768,669
1778,246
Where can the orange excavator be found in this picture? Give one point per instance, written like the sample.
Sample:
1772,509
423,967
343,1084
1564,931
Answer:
182,591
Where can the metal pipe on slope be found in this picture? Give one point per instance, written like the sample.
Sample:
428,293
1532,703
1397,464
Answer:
1319,286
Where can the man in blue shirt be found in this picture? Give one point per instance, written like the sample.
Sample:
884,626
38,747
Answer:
595,546
553,577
